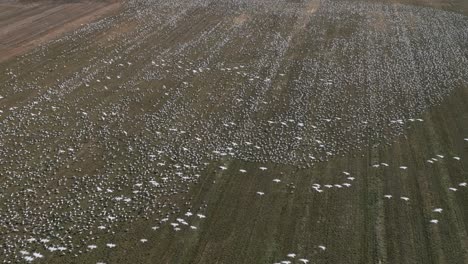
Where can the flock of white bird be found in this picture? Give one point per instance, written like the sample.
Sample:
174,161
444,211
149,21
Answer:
127,135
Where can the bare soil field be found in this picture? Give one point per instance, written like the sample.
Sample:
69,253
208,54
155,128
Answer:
235,132
26,24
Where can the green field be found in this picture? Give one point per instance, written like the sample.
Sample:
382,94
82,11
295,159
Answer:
240,132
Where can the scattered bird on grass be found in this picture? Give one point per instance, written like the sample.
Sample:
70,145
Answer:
201,216
404,198
52,249
434,221
388,196
260,193
28,258
438,210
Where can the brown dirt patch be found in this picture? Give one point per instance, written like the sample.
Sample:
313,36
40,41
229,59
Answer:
241,19
25,26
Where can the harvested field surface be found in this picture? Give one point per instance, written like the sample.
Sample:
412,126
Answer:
24,25
235,131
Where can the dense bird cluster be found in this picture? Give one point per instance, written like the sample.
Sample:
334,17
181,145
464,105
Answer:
124,137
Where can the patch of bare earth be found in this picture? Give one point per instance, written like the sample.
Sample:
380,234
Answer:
241,19
24,26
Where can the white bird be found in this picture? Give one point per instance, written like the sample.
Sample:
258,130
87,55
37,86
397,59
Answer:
143,240
263,168
351,178
28,258
291,255
403,167
322,247
456,158
223,167
453,189
434,221
388,196
110,245
404,198
260,193
438,210
346,173
384,164
305,261
38,255
92,246
462,184
242,170
201,216
277,180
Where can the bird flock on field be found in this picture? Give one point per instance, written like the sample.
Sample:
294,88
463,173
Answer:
127,134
